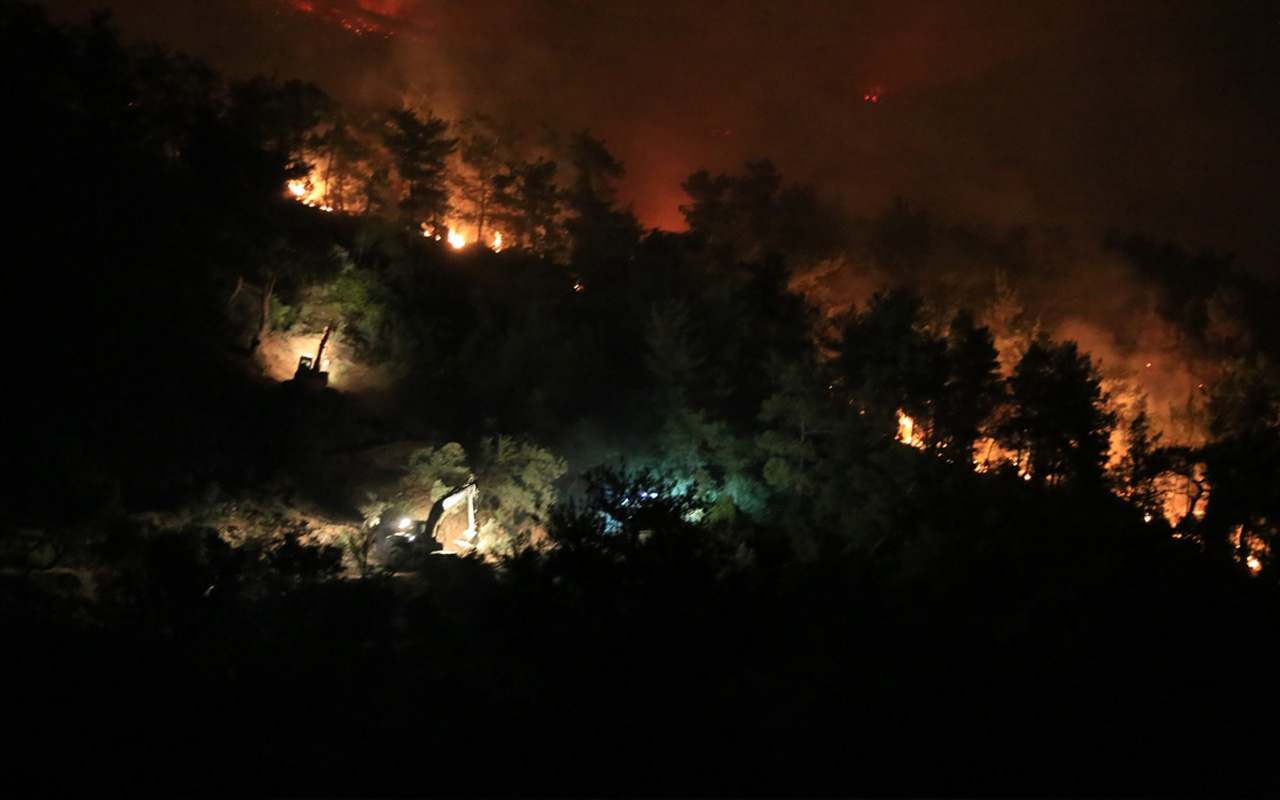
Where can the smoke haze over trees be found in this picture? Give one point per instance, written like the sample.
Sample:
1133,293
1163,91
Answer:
1151,117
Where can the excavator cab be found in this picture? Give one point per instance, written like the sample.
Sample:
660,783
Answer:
309,372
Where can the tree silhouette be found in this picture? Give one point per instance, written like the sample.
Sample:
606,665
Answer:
482,144
972,392
753,216
279,117
1058,423
528,204
420,151
891,363
344,158
601,233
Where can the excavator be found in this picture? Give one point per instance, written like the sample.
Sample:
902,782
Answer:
449,531
443,525
309,372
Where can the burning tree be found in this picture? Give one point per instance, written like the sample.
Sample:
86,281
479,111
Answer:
420,151
973,391
530,205
481,144
892,364
343,157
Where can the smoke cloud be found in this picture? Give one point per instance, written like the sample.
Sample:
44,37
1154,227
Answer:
1156,118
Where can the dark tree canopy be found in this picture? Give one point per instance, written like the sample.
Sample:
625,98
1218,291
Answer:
419,149
1058,420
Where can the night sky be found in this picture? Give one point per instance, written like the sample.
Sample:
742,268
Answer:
1157,118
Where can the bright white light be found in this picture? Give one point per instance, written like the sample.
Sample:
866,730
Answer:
1254,563
1146,517
404,523
456,239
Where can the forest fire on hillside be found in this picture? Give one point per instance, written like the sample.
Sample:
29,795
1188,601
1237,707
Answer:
937,511
1142,370
359,20
1176,496
310,192
458,240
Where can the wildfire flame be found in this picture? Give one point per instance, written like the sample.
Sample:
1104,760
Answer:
908,433
361,20
458,240
1249,548
309,192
